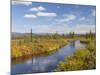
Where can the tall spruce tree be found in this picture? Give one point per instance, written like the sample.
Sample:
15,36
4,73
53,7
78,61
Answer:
31,35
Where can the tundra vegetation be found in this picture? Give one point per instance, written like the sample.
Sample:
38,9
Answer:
35,45
42,44
83,58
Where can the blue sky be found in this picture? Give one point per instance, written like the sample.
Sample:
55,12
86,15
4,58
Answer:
52,17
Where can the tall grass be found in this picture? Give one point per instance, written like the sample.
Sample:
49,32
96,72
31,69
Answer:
37,46
82,59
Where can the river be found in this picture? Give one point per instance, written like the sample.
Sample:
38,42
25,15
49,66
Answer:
46,63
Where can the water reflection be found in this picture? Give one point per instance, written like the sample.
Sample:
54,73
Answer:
72,44
46,63
21,60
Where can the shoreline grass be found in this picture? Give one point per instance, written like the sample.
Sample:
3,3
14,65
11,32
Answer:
20,48
82,59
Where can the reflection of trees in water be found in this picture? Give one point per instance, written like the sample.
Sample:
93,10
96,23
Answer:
20,59
73,44
33,60
29,57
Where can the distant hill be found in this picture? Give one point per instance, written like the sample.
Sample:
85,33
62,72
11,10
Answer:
15,34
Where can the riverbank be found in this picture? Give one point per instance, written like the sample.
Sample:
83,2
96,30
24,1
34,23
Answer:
21,48
82,59
45,63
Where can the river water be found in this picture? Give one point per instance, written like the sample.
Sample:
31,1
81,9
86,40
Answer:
45,63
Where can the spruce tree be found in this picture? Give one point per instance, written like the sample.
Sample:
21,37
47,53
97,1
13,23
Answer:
31,35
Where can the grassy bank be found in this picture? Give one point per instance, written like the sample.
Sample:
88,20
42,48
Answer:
38,46
83,59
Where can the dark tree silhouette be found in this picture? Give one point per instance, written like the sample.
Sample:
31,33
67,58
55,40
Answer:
31,35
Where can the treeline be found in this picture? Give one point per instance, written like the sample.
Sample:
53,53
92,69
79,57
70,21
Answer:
30,35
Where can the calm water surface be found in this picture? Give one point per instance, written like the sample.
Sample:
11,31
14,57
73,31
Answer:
45,63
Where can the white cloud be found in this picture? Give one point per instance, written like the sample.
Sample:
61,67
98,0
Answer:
84,28
21,2
46,14
93,12
50,29
40,8
63,29
30,16
68,17
82,18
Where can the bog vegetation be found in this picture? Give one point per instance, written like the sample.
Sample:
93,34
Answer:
82,59
36,45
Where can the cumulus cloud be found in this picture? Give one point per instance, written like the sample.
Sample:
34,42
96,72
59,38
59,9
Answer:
40,8
80,29
21,2
82,18
43,14
68,17
46,14
30,16
50,29
84,28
